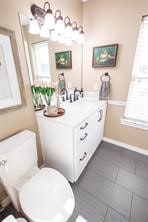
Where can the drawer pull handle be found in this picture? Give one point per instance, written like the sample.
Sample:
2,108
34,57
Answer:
100,114
85,154
86,134
83,127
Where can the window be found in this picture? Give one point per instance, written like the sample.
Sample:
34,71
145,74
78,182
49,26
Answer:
41,61
136,112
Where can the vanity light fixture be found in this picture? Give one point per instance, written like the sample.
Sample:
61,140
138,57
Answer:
75,33
54,36
68,27
34,27
49,20
81,37
44,32
55,27
60,26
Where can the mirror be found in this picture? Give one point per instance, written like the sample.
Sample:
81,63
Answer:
41,60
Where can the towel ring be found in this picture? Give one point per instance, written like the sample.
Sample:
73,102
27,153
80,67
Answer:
62,74
105,75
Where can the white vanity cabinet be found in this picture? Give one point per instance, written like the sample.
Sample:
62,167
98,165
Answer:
88,136
68,142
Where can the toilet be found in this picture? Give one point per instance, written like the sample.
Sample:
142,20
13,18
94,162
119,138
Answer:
44,195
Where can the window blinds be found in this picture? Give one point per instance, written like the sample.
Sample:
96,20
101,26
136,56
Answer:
137,101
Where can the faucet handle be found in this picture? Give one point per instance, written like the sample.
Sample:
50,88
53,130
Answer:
82,92
63,98
70,98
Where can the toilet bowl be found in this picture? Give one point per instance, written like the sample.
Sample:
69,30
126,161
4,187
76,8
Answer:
44,195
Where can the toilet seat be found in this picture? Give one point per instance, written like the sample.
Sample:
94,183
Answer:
47,197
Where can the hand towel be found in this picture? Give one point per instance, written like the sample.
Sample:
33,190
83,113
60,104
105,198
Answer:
104,90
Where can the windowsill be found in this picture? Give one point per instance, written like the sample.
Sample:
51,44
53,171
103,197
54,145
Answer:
133,123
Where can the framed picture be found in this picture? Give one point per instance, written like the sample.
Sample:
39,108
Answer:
63,60
105,56
11,84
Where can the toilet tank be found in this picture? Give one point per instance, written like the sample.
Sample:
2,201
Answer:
18,156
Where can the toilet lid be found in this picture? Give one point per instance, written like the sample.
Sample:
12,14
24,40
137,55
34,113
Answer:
47,197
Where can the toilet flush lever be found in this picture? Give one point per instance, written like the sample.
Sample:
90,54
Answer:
3,163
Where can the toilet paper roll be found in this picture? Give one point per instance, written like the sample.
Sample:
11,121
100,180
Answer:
10,218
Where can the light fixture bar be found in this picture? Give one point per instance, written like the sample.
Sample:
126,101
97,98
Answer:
63,28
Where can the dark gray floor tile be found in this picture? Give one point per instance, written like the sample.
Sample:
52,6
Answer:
113,216
137,156
133,182
139,211
111,147
106,191
118,159
103,168
142,169
88,207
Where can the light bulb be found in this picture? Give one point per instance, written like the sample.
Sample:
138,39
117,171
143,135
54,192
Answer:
34,27
44,32
60,26
49,21
68,31
54,36
81,38
68,27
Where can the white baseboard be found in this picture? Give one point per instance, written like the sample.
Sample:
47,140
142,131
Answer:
126,146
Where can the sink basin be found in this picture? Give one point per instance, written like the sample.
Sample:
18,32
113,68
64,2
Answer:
78,105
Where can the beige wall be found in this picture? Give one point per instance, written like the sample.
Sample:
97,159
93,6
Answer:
24,118
109,22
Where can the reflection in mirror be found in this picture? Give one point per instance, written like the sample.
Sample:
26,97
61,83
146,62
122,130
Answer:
40,56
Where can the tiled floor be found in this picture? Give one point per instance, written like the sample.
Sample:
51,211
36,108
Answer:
113,187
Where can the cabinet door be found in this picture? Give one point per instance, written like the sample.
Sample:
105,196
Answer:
101,113
87,139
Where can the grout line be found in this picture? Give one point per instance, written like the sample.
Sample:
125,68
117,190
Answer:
131,206
104,203
117,175
135,168
105,214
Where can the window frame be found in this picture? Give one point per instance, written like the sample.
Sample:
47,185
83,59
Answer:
133,122
37,76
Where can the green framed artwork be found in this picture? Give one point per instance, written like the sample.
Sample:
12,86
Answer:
105,56
63,60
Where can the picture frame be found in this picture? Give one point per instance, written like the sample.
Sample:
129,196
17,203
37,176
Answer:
63,60
104,56
11,83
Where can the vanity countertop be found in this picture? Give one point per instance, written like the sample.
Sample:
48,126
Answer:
75,112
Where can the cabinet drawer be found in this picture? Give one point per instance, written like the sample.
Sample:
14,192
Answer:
80,163
82,128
